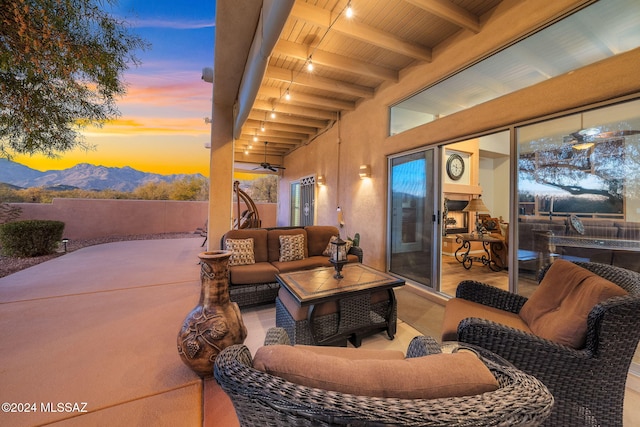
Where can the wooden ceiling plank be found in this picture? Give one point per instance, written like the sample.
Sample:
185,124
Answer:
284,124
332,60
362,32
285,108
298,98
449,12
319,82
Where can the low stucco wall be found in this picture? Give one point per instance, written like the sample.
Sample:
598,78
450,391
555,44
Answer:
91,218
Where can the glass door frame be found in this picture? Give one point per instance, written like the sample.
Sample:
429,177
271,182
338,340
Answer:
432,199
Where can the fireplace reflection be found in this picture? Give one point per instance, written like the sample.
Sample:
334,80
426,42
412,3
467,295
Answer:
456,220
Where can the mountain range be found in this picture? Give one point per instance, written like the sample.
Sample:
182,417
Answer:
82,175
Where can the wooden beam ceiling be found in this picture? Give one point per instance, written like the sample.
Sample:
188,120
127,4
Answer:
351,59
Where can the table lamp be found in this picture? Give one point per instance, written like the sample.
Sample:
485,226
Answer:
477,206
338,256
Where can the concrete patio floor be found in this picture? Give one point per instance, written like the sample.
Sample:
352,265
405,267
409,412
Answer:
95,331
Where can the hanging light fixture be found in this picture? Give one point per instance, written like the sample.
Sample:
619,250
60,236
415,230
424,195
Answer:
287,95
262,126
309,64
349,11
273,113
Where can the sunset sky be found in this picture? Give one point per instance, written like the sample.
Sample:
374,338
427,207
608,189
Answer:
162,127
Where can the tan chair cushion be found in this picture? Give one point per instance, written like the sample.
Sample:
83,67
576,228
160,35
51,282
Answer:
429,377
558,309
457,309
353,353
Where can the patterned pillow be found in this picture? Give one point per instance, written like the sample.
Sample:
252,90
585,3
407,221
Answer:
242,251
291,247
327,251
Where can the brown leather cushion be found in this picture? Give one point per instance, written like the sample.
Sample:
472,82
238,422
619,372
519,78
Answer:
318,237
353,353
260,272
429,377
558,309
457,309
259,236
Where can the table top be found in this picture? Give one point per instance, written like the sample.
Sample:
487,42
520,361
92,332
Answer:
318,285
478,237
595,243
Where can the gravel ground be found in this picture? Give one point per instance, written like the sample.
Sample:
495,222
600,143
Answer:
10,265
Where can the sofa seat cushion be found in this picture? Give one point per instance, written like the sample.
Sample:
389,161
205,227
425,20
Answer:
260,272
458,309
429,377
558,309
302,264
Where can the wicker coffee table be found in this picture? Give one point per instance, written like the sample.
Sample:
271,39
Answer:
356,317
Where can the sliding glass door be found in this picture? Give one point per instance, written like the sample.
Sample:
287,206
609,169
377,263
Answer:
412,216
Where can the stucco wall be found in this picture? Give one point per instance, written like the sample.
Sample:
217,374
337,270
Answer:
91,218
361,136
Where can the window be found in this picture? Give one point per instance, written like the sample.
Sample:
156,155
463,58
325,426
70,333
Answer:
599,31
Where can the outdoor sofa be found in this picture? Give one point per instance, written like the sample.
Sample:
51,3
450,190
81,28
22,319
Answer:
261,253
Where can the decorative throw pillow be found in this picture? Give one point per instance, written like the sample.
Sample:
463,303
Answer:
327,251
291,247
241,251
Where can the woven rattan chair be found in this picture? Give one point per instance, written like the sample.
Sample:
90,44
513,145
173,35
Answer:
261,399
588,384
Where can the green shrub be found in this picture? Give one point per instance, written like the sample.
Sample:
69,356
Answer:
30,238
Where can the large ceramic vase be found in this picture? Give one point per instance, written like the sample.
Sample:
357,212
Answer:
216,322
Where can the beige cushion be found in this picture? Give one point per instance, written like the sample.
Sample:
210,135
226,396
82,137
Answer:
327,249
457,309
353,353
241,251
291,248
558,309
428,377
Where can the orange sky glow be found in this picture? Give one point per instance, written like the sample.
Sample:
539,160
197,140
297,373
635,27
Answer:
162,126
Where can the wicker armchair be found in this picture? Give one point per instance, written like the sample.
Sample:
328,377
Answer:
588,384
262,399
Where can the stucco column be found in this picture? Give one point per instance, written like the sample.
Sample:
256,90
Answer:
221,175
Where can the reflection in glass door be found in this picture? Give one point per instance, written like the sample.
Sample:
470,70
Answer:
411,216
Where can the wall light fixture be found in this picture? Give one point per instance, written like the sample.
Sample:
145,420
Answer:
365,171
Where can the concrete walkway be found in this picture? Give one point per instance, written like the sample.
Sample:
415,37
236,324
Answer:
89,338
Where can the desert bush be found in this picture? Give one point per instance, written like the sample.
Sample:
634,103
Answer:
30,238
